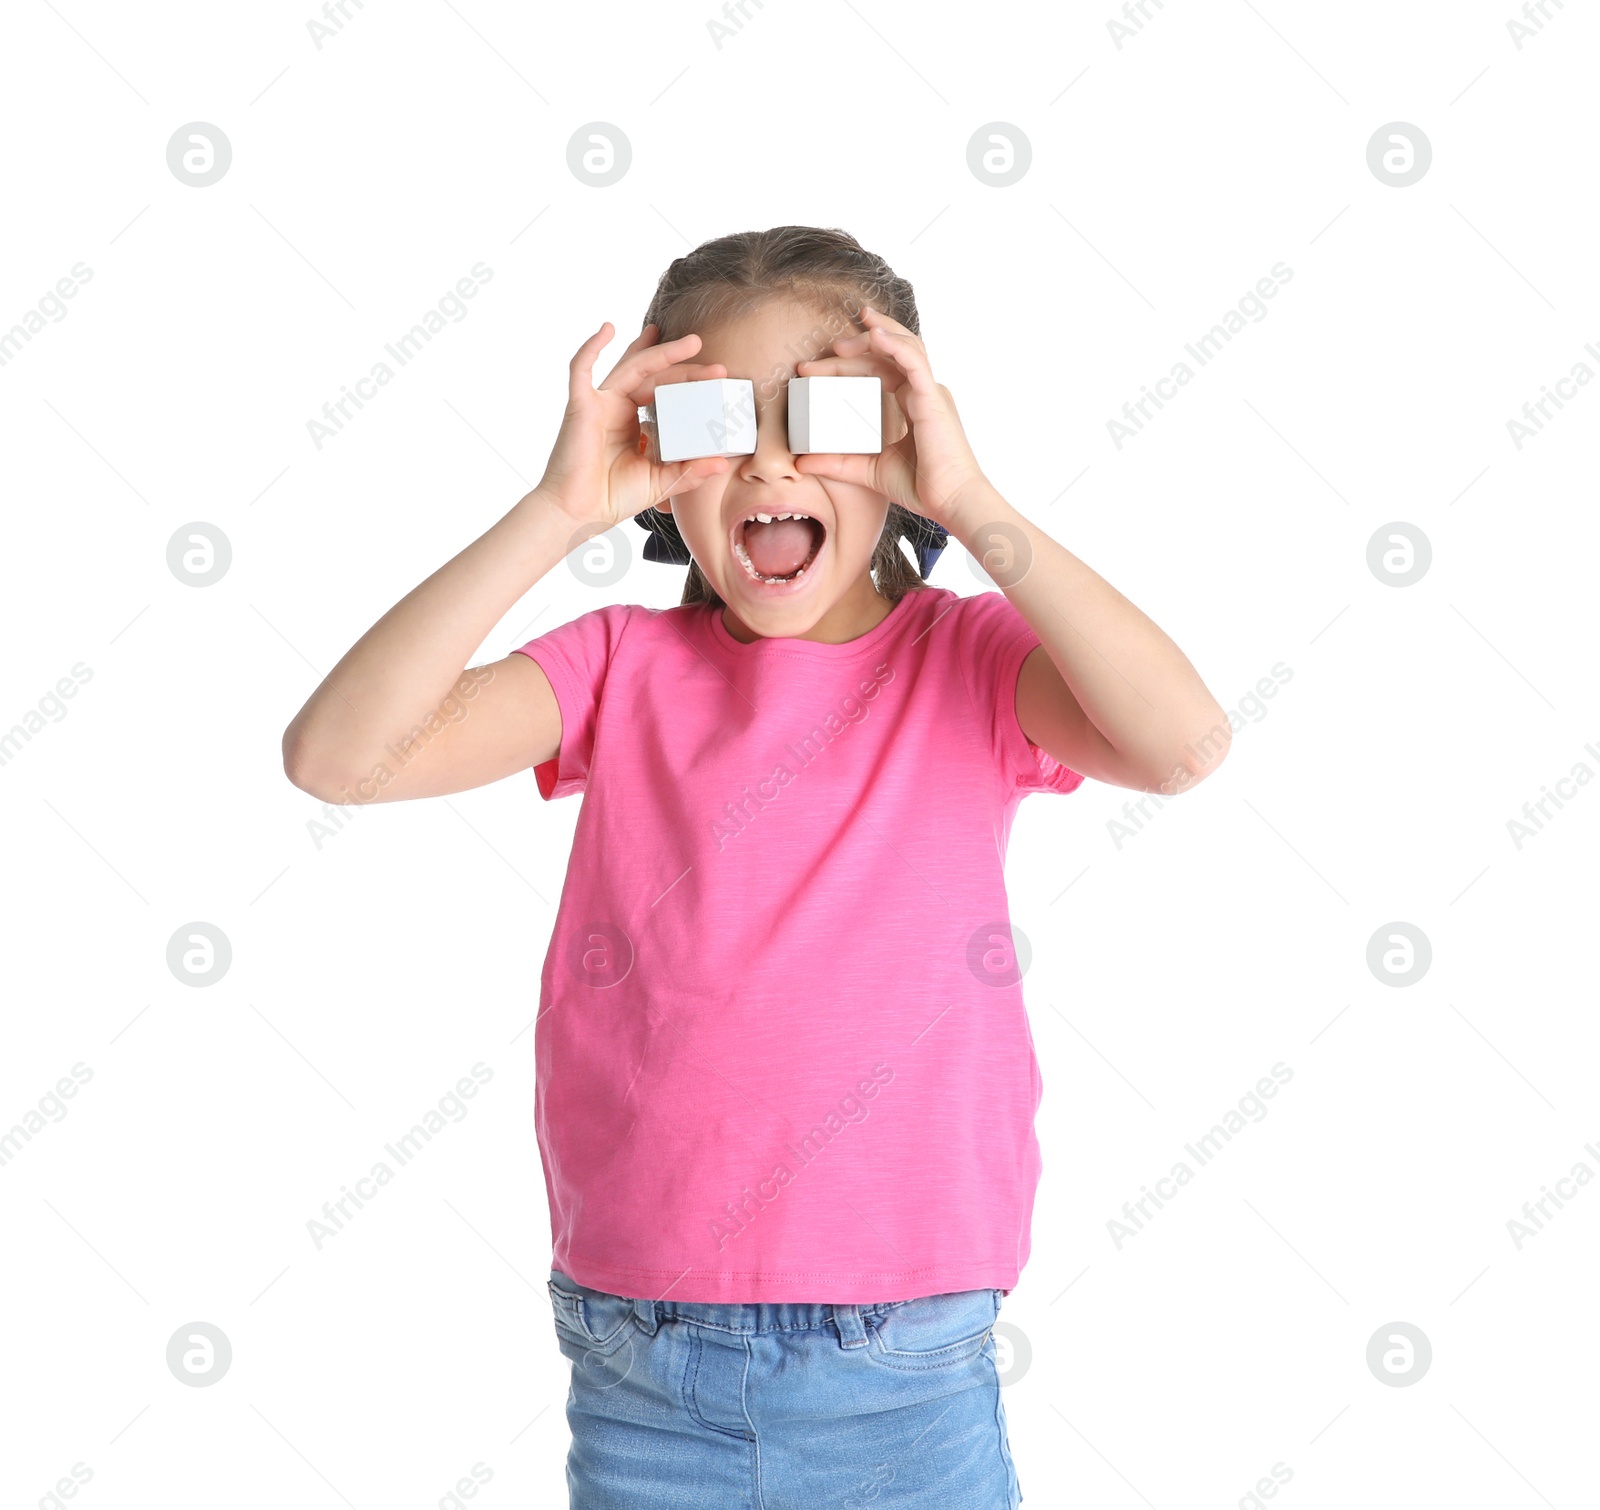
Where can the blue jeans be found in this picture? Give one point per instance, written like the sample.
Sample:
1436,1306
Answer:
679,1405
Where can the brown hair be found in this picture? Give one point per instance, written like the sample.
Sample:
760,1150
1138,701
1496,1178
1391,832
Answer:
827,269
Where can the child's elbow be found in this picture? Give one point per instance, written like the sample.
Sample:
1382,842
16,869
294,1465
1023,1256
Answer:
306,771
1206,749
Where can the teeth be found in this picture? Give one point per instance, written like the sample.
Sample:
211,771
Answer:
768,518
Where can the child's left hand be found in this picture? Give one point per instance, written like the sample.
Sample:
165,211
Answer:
930,469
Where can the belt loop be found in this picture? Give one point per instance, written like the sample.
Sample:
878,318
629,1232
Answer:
645,1310
852,1332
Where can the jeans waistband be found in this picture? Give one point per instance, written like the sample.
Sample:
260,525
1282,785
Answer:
753,1316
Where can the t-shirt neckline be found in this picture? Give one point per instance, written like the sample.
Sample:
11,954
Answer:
819,649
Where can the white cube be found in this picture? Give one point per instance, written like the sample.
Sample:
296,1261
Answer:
835,414
711,417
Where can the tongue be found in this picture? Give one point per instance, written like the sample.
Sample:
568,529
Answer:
777,549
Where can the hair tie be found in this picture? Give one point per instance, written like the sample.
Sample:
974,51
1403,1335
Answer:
665,543
927,540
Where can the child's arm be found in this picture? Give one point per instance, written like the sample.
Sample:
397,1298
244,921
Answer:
1105,693
410,664
393,681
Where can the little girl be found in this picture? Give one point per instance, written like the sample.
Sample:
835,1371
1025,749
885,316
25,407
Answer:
785,1081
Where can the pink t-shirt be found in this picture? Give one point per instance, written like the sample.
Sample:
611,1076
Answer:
782,1053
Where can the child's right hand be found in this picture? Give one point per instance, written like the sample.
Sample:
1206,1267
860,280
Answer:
599,472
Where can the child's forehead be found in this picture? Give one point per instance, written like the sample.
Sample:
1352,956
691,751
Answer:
774,332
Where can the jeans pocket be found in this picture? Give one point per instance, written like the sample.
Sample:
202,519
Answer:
933,1331
592,1320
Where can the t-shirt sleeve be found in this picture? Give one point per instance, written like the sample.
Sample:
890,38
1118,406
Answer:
993,642
576,657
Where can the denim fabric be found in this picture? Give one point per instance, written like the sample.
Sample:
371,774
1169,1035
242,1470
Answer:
679,1405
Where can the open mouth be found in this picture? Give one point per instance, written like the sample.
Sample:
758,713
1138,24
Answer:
776,548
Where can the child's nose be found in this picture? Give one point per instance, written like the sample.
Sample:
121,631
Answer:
771,457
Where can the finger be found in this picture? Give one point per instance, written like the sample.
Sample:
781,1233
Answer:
880,328
869,343
636,364
855,341
640,342
690,372
907,353
682,371
580,371
896,423
871,316
646,337
685,372
675,477
860,470
868,364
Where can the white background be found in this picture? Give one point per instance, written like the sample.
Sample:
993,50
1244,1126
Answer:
1169,973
